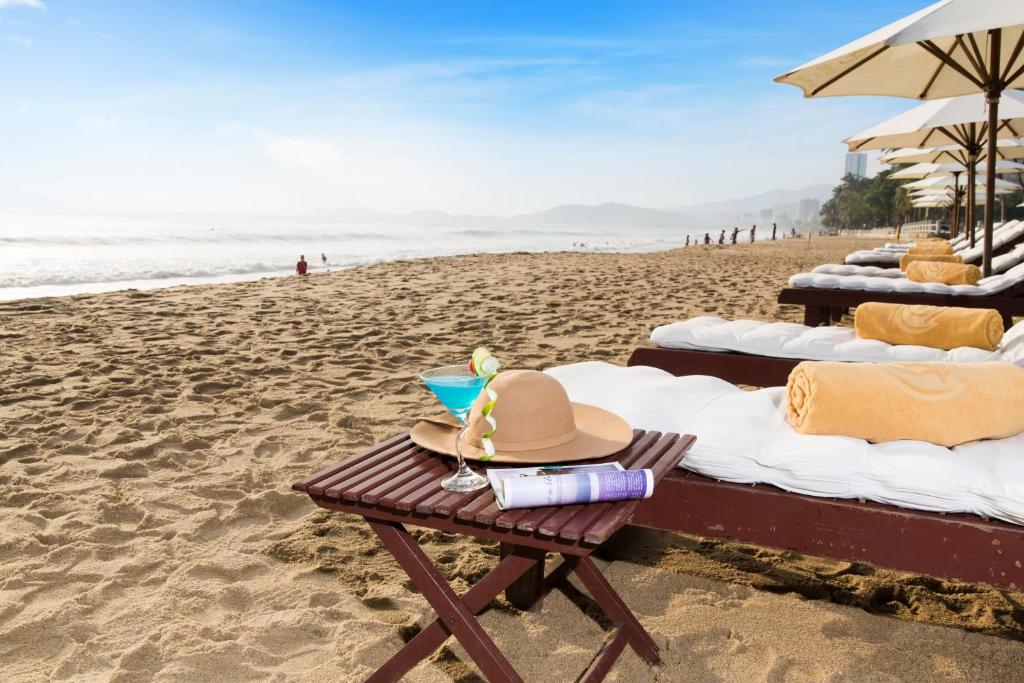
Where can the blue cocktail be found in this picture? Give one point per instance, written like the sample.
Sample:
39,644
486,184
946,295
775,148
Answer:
457,387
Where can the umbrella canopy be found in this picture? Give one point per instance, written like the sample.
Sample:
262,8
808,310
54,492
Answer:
950,181
948,192
1005,149
944,50
932,203
932,170
950,48
950,121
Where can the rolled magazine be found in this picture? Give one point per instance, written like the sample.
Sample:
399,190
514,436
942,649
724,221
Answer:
527,487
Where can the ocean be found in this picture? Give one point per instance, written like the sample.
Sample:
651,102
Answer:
56,255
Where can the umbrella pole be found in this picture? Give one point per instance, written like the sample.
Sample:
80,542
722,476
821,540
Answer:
995,91
972,180
954,229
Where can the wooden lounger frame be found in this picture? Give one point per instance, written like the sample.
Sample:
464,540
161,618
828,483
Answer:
952,546
823,306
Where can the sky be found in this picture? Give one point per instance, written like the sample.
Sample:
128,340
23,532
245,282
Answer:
481,107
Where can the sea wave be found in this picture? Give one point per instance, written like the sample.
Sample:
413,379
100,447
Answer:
213,237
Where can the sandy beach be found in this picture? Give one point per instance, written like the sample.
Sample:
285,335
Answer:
148,441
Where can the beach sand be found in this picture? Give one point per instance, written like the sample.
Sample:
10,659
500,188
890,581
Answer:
148,442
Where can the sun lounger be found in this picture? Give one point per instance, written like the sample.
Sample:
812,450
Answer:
826,298
906,505
764,353
1004,238
1000,264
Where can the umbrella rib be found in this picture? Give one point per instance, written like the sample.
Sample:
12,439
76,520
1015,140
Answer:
846,72
1013,60
1016,74
979,64
938,70
952,63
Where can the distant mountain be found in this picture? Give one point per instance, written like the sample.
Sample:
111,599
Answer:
777,200
610,214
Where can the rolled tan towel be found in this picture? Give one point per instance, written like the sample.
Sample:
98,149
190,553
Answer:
939,327
942,403
932,248
907,259
946,273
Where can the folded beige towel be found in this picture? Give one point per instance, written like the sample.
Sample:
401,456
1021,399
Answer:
931,248
940,271
939,327
907,259
942,403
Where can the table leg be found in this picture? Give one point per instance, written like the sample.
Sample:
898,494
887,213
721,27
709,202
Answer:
605,596
524,592
455,615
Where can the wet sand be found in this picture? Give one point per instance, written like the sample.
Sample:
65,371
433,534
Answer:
148,441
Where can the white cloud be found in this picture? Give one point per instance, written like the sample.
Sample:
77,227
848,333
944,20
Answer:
36,4
19,40
302,152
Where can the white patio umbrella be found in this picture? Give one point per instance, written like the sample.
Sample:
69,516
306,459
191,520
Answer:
932,170
950,48
1005,149
954,120
950,181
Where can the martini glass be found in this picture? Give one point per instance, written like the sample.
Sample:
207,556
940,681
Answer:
456,387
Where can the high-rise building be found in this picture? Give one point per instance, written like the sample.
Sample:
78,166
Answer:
809,211
857,164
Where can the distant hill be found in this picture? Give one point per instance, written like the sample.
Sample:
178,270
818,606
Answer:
778,200
609,214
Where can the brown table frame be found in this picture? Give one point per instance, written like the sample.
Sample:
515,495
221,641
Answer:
397,483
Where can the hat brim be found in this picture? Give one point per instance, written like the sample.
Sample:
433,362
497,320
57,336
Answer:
599,434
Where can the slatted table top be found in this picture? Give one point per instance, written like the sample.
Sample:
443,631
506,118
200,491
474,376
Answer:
396,480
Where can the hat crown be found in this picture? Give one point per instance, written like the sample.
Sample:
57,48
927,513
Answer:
532,411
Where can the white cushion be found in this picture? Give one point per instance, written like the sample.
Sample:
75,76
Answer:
743,436
790,340
1002,234
987,286
1000,264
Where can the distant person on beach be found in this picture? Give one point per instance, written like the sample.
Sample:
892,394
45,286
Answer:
774,228
301,266
707,239
687,240
721,238
323,258
792,233
735,234
753,231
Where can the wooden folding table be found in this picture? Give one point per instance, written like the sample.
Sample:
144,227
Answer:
396,483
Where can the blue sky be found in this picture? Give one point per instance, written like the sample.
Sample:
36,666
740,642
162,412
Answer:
482,107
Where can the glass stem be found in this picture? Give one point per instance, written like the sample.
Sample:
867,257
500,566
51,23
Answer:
463,468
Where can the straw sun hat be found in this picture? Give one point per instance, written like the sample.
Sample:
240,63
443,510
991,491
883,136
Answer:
536,424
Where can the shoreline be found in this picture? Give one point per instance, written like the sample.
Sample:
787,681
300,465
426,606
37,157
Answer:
149,531
46,291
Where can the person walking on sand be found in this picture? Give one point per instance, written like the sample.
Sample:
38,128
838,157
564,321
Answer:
753,232
301,267
323,259
774,228
687,240
735,234
707,239
721,238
